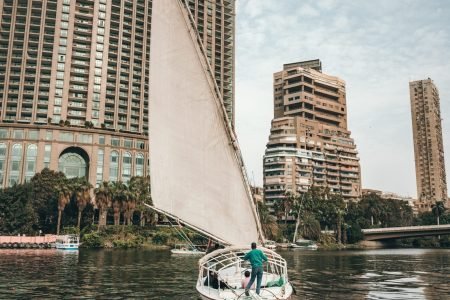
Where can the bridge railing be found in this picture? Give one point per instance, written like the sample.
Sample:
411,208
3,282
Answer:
407,228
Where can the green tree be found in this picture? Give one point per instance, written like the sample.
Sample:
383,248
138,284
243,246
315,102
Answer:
128,204
17,215
44,198
438,209
82,194
117,200
141,187
268,222
103,195
64,193
310,227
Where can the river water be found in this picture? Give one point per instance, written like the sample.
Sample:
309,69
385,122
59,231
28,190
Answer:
156,274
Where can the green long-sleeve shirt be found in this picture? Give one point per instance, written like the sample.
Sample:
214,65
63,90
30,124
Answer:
256,257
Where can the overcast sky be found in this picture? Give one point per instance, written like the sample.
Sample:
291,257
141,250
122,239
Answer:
377,47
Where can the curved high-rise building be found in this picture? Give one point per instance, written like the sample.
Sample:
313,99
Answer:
74,83
309,142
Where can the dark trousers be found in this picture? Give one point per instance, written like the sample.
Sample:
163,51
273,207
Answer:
257,272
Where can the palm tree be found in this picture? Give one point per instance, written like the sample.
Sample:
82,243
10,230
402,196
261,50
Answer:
117,200
310,227
82,196
141,187
438,209
268,222
64,193
128,204
103,201
286,204
338,210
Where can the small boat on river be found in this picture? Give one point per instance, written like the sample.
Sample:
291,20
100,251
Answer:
67,242
186,249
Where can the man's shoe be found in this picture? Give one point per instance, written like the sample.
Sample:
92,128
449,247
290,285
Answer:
247,293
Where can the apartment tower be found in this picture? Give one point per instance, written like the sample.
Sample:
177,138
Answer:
74,83
309,143
428,145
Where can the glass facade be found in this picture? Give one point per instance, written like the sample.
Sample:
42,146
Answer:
30,168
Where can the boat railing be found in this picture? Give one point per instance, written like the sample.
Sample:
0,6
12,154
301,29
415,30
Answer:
224,260
67,239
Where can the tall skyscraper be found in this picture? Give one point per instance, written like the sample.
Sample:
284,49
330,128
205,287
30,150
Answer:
309,143
428,145
74,83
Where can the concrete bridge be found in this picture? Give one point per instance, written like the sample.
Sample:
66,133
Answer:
405,232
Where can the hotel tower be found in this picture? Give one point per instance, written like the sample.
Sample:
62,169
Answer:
428,145
74,90
309,143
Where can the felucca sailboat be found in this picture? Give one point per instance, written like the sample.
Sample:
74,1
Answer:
197,171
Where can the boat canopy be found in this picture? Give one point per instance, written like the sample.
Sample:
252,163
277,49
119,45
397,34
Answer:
197,172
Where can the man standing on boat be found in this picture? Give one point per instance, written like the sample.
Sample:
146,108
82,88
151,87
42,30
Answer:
256,258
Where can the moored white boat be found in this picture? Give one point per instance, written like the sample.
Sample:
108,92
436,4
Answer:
270,245
303,244
222,271
184,249
67,242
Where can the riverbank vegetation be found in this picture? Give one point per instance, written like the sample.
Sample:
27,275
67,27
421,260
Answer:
114,215
111,215
326,218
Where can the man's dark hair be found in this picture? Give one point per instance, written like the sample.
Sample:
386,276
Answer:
247,274
253,245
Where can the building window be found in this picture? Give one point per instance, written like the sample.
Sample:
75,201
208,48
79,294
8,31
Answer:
66,137
100,157
3,133
139,165
33,135
114,166
126,167
47,155
48,135
16,158
2,162
128,143
101,139
115,142
18,134
140,144
30,162
85,138
57,110
72,165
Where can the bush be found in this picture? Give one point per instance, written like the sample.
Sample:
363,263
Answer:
354,233
160,238
70,230
92,240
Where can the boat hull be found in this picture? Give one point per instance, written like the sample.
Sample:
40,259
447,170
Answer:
225,268
66,247
186,252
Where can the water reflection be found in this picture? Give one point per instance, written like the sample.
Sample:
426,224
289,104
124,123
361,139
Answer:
377,274
145,274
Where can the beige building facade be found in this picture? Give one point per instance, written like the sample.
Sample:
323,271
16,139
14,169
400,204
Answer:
309,143
428,145
74,83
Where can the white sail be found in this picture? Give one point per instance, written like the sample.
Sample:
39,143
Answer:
195,164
